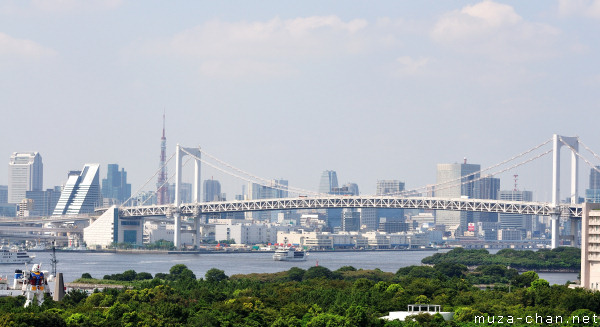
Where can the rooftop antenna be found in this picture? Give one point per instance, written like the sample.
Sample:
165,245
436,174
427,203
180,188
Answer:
516,178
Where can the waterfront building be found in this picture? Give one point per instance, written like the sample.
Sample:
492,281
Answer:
455,181
510,235
392,226
25,173
513,220
115,185
155,231
44,202
81,193
110,229
368,219
350,220
250,233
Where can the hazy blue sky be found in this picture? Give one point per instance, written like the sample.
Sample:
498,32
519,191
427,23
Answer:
382,90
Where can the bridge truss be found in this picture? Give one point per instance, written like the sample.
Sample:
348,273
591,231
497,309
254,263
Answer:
476,205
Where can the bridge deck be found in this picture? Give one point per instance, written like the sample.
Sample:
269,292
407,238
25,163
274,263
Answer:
460,204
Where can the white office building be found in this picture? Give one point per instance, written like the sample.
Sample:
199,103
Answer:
25,173
81,193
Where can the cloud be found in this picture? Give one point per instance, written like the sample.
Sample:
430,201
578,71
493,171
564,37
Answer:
23,48
585,8
259,46
496,31
25,8
410,66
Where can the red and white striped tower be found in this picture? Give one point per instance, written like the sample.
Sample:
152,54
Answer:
162,188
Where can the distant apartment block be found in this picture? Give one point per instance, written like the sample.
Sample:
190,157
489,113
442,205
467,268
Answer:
81,193
25,173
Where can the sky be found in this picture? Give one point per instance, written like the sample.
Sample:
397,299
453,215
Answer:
283,89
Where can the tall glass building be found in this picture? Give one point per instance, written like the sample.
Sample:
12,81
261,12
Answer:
455,181
328,181
25,173
115,185
592,194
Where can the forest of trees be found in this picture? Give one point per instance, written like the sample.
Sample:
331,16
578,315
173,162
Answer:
313,298
559,259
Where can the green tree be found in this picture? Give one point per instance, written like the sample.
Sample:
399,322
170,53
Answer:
318,272
215,275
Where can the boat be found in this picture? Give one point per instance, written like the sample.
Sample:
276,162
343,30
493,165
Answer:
289,254
14,257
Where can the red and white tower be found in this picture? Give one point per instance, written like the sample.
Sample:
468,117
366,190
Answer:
162,188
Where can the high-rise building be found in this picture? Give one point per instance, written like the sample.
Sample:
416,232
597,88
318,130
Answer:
44,202
489,188
328,181
115,185
212,190
389,187
327,185
185,192
25,173
81,193
3,194
455,181
592,194
346,189
513,220
350,220
277,189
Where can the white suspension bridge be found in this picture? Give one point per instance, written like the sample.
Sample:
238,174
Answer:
409,199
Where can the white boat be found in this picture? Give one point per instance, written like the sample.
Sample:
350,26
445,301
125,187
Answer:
14,257
289,254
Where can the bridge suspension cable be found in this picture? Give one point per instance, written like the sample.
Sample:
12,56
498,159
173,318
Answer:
579,154
590,150
148,181
453,182
263,181
498,172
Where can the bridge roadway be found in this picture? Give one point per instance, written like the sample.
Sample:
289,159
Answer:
431,203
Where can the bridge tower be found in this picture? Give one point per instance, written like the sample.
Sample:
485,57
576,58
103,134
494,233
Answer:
181,152
573,144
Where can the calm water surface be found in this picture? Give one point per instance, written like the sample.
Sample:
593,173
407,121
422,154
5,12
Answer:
73,264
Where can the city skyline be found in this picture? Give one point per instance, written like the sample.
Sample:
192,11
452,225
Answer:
292,90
